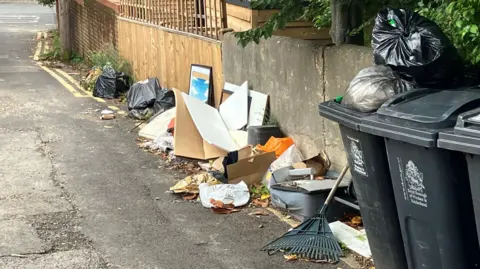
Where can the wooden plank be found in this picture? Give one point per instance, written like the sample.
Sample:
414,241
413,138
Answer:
209,18
189,14
238,25
201,12
239,12
216,18
196,24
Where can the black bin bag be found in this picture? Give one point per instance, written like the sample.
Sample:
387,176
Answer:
147,98
372,87
416,47
111,84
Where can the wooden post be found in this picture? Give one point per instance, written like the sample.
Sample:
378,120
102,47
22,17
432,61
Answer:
64,28
346,16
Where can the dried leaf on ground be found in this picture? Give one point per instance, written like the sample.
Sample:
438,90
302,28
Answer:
190,184
352,221
259,212
357,220
261,203
224,210
220,204
290,258
265,196
190,197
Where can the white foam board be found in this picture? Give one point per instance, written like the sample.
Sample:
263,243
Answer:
258,105
354,240
158,125
210,124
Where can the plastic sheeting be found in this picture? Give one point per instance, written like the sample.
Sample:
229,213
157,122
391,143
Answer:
146,98
372,87
416,47
110,84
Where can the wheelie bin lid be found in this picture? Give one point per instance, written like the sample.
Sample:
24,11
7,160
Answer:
341,114
417,116
465,136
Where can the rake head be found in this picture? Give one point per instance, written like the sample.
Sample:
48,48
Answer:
313,239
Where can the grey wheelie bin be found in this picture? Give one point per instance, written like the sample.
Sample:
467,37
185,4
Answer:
466,138
430,184
371,178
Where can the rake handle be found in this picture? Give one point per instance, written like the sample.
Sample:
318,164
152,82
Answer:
335,186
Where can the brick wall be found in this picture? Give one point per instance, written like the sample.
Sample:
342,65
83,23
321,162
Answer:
93,25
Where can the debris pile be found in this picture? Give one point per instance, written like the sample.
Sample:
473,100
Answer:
226,173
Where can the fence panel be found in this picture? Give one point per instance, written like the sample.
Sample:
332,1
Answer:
201,17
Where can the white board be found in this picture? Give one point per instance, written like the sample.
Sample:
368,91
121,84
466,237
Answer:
234,111
258,105
158,125
354,240
210,124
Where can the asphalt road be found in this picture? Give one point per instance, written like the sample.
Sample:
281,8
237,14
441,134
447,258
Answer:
75,194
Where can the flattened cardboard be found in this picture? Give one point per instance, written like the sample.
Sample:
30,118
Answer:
188,141
210,124
250,169
242,154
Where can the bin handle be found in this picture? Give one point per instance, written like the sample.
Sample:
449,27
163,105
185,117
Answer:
408,95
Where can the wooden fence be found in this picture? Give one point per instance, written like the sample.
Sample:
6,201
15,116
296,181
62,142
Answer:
166,54
201,17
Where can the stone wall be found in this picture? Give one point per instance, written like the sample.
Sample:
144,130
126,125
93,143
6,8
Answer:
298,75
93,25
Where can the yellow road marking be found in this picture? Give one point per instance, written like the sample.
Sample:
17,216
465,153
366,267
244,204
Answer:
74,82
67,86
77,93
36,56
293,223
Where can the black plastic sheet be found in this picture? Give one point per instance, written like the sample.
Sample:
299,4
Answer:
110,84
416,47
147,98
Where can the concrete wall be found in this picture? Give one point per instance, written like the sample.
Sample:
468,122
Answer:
298,75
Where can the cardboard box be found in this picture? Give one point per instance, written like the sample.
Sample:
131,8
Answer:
250,169
188,141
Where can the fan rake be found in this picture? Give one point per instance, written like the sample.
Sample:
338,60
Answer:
313,239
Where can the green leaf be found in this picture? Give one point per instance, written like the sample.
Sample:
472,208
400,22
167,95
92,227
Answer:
450,8
459,23
474,29
477,59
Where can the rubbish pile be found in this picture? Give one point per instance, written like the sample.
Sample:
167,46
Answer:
229,172
410,52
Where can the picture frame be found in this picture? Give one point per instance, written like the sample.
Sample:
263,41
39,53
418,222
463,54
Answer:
201,83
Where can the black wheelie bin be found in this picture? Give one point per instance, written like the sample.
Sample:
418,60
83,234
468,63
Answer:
368,163
430,184
465,138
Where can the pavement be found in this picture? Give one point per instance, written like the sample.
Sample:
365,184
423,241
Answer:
76,192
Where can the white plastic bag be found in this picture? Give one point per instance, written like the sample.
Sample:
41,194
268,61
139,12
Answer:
291,156
236,194
373,86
